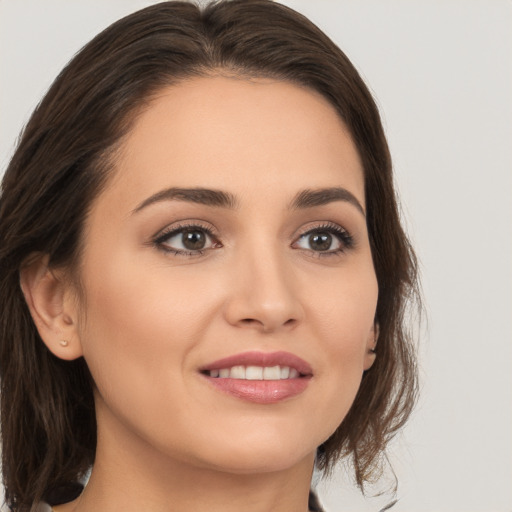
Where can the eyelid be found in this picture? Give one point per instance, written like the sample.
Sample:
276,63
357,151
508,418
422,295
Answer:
329,226
185,224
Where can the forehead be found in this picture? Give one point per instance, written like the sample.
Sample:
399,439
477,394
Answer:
240,135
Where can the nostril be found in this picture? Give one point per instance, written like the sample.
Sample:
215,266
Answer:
250,322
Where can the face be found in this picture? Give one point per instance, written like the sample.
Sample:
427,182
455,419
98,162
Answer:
229,291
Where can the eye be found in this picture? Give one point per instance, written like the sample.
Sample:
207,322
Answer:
187,240
319,241
328,239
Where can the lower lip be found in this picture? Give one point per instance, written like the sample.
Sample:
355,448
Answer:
260,391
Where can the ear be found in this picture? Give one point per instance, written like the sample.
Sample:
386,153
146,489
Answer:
52,304
371,343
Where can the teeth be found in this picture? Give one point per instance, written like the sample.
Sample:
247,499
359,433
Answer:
237,372
271,373
256,373
293,373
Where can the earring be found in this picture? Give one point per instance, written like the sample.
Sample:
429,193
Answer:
64,343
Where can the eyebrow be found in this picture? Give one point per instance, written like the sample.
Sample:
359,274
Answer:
208,197
217,198
319,197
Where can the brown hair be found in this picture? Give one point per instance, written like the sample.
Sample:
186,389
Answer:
63,160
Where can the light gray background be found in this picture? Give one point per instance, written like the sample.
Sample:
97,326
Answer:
442,73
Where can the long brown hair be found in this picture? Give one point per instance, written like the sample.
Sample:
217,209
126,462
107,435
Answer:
63,160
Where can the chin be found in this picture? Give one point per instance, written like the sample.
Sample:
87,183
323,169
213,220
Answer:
258,462
259,453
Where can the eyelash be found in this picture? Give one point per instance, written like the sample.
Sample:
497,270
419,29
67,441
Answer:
176,230
342,235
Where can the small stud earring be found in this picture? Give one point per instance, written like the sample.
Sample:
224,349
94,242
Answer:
64,343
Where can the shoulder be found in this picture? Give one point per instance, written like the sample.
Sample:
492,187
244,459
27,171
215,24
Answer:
43,507
314,504
40,507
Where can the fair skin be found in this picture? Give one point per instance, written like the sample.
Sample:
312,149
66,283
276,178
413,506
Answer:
262,272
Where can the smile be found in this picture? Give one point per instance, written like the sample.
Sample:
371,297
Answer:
263,378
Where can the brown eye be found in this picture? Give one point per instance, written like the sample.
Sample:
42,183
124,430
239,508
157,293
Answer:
193,240
187,240
327,240
320,241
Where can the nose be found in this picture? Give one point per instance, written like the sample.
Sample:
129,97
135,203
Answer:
264,294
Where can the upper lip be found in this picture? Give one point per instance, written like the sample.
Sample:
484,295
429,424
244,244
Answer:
261,359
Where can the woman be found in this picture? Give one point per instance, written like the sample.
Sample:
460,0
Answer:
201,216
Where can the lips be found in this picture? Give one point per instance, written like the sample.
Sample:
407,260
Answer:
259,377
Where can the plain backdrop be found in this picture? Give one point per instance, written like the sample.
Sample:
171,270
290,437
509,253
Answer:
441,72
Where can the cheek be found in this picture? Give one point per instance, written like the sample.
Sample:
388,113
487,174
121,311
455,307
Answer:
343,313
135,323
344,308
